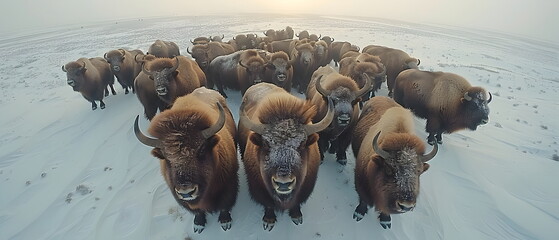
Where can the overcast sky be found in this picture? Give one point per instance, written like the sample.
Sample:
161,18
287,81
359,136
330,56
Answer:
538,19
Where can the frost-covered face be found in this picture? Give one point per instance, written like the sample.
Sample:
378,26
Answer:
280,67
163,80
343,100
282,159
477,109
401,179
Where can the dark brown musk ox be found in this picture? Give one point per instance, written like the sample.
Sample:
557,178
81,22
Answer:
394,60
289,31
283,46
200,40
338,49
166,79
303,35
446,100
205,53
194,142
124,66
91,77
322,53
278,143
279,71
327,83
389,160
217,38
164,49
364,63
304,61
327,39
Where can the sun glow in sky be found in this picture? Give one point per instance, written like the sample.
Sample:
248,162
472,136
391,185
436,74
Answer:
530,18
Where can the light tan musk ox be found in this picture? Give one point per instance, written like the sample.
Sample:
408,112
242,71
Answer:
389,160
283,46
91,77
165,79
394,60
446,100
338,49
194,142
279,71
164,49
327,83
238,70
364,63
278,143
205,53
124,67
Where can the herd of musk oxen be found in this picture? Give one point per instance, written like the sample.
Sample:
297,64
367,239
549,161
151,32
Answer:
282,138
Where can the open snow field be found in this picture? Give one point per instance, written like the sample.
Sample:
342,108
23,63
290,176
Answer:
67,172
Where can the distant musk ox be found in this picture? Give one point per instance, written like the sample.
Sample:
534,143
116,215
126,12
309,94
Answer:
200,40
389,160
279,71
217,38
237,71
164,49
278,142
165,80
283,45
194,142
394,60
327,83
327,39
91,77
322,53
446,100
124,67
205,53
364,63
303,34
338,49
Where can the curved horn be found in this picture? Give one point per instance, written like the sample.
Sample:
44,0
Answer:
253,126
319,35
324,123
378,150
105,56
331,39
382,73
242,65
63,68
207,133
136,58
366,88
174,68
430,155
191,41
188,51
144,70
418,62
358,48
296,35
467,97
490,97
320,89
83,66
152,142
222,36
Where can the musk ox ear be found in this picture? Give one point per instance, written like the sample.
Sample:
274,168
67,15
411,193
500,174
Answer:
425,167
311,139
256,139
156,152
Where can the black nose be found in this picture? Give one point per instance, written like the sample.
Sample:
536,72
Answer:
344,119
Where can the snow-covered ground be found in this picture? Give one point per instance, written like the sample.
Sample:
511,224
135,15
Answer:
67,172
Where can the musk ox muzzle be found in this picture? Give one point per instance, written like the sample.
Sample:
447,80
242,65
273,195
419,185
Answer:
284,185
405,206
71,82
343,119
281,77
188,193
161,91
116,68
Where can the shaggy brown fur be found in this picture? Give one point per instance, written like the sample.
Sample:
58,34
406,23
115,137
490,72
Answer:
90,77
394,60
124,67
187,158
250,69
439,98
304,62
287,114
345,91
279,71
386,183
164,49
283,45
338,49
322,53
145,88
205,53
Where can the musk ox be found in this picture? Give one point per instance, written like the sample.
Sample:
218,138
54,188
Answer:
389,160
446,100
280,152
167,79
338,49
364,64
327,39
91,77
322,53
279,71
124,67
289,32
164,49
303,34
200,40
250,69
194,142
327,83
205,53
283,45
304,63
217,38
394,60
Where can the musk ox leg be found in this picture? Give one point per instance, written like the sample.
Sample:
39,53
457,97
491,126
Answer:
102,104
332,148
322,147
107,91
341,144
126,90
432,127
269,219
225,220
112,89
199,222
93,105
385,220
133,89
296,215
360,211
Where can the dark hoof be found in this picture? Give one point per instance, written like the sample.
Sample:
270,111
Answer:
343,162
198,228
226,225
297,220
268,225
225,220
94,107
386,225
431,142
357,216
